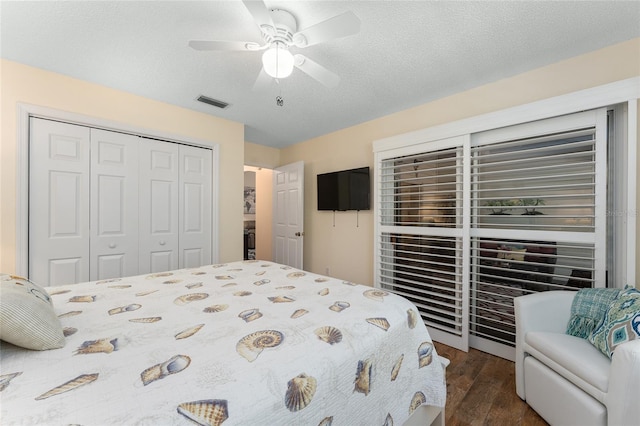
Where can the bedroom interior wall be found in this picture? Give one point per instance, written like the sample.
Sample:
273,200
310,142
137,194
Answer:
24,84
347,250
264,214
261,155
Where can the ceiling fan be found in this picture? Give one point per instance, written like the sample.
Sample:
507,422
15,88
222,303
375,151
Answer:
280,33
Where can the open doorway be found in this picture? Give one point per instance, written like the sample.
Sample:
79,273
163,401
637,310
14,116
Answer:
258,213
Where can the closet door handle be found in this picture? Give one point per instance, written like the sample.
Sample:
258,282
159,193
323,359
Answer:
112,245
163,243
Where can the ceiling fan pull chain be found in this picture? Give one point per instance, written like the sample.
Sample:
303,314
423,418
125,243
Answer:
279,98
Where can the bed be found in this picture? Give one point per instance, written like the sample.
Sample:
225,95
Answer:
243,343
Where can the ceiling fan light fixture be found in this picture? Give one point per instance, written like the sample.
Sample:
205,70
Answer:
277,61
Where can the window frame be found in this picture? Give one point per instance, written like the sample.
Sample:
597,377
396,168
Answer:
621,95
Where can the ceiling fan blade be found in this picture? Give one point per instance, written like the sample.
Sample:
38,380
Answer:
339,26
224,45
259,11
316,71
263,81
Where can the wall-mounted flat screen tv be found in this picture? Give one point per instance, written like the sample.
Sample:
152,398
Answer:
344,190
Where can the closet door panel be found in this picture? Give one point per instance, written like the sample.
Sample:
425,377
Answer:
193,258
111,266
195,206
158,227
114,205
58,208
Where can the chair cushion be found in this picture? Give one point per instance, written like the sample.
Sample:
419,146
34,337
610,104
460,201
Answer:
575,359
621,323
27,318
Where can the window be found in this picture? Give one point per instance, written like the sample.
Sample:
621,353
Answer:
467,223
534,225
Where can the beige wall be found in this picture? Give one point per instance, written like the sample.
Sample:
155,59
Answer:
261,155
23,84
347,250
264,214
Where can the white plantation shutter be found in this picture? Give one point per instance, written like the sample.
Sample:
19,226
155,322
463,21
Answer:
506,268
535,224
421,254
466,224
427,271
423,189
545,183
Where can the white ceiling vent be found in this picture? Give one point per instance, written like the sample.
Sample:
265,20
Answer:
214,102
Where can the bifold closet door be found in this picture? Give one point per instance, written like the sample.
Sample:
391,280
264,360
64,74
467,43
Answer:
59,159
83,203
195,206
175,206
114,205
105,204
159,206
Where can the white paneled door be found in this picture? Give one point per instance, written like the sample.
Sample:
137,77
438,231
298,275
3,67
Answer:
114,205
58,202
195,207
158,227
288,220
106,204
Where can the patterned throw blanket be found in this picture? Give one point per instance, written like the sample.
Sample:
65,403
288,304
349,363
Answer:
244,343
588,309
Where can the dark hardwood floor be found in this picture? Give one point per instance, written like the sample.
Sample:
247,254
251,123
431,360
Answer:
481,390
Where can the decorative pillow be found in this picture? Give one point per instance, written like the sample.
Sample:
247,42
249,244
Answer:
27,318
621,323
588,309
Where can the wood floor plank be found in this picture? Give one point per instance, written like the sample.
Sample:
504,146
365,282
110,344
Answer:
477,403
481,391
508,409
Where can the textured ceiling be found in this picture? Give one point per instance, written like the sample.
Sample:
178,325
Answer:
406,54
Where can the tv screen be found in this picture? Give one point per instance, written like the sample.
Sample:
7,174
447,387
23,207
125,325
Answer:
344,190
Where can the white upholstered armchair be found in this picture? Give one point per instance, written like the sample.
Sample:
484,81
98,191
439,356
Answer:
566,379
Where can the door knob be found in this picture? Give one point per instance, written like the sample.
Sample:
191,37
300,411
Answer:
299,234
163,243
112,245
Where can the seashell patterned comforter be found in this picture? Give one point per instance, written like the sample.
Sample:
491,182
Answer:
244,343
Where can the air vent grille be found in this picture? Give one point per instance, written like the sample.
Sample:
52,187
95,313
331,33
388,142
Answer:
211,101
